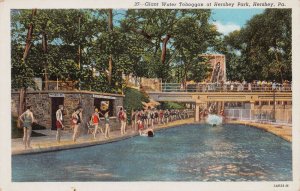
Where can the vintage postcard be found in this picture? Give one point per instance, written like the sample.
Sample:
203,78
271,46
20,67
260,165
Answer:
150,95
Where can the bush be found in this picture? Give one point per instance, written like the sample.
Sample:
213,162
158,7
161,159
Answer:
171,105
133,100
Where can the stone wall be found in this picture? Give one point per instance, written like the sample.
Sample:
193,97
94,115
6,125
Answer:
41,104
15,104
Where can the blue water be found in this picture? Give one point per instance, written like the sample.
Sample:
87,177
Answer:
186,153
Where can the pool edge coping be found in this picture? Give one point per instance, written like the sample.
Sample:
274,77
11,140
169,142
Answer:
262,127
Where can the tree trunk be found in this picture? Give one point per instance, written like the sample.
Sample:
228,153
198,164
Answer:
164,49
45,50
110,66
185,77
22,98
110,60
280,66
29,36
79,51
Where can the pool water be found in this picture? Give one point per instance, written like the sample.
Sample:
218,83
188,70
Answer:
185,153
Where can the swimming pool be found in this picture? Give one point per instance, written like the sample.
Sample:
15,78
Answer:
185,153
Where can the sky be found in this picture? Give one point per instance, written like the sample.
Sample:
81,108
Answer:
228,20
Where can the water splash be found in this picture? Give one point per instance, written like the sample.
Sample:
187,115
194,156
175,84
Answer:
214,120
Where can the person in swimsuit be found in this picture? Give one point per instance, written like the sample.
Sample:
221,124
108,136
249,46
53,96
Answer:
140,126
133,119
27,119
95,121
107,128
77,118
59,124
122,118
147,133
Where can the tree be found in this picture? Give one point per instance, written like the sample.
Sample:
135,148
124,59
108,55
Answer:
262,49
168,33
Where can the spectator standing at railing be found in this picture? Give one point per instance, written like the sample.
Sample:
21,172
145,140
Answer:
274,85
227,85
249,87
262,85
244,83
269,85
231,86
259,83
284,85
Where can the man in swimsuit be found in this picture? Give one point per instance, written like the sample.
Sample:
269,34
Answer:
122,119
59,124
27,119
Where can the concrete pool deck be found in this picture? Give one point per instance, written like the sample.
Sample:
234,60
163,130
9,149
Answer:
48,143
281,130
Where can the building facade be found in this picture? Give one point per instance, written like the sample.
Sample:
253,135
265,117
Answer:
45,105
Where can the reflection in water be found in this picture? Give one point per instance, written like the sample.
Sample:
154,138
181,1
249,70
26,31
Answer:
186,153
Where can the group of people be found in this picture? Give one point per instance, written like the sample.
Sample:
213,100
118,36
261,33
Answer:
256,85
145,119
141,120
95,121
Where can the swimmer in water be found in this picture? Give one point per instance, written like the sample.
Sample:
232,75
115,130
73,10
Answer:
147,133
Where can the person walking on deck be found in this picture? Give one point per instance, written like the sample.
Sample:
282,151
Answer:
122,119
107,128
27,119
133,120
77,119
95,121
59,122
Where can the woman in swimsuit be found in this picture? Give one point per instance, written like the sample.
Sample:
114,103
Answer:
107,128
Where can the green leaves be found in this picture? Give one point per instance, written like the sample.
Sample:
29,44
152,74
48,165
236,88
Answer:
80,44
262,49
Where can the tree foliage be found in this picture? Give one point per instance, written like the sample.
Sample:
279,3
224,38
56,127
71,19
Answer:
262,49
96,47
